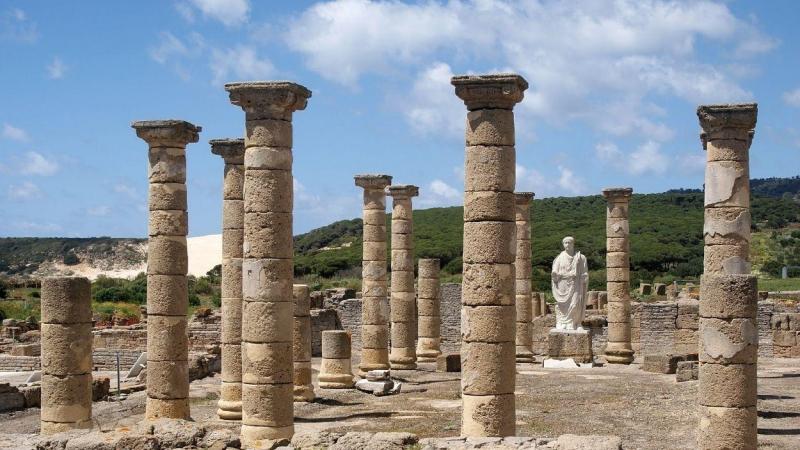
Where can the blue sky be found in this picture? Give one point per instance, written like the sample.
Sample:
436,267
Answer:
614,87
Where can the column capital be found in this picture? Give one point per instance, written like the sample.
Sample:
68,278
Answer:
618,193
231,150
496,91
167,133
373,181
727,121
401,191
523,198
269,99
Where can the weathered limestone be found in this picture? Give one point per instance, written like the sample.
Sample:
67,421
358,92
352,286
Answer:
402,305
429,309
267,270
66,332
618,350
729,294
335,371
303,388
374,300
167,264
522,271
487,311
230,397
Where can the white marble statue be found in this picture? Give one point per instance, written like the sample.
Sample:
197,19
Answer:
570,277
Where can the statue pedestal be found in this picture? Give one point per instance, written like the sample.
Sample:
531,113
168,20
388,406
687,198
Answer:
574,344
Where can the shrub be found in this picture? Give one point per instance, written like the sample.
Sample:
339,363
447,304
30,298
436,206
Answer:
71,259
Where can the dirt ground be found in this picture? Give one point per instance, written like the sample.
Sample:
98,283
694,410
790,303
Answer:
649,411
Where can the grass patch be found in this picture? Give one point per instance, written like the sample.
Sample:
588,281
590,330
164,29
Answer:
778,284
20,309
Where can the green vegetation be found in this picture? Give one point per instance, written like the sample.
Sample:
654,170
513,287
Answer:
773,285
22,256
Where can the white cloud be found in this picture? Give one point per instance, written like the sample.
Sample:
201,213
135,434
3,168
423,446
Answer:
36,227
608,151
241,63
14,133
792,98
229,12
56,69
168,47
99,211
570,182
128,191
443,189
530,180
432,107
567,183
35,163
321,211
647,158
175,53
24,191
16,27
439,193
692,162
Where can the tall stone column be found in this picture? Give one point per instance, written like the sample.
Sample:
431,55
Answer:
428,306
374,300
522,271
618,276
728,293
267,269
167,264
66,354
403,305
230,395
303,388
487,302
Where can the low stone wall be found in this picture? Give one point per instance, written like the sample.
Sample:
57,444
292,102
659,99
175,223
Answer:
786,335
451,317
349,312
20,363
327,319
104,359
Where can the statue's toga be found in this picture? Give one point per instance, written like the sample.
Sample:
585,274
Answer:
570,277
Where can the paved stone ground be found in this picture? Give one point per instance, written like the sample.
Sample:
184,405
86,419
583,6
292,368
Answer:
649,411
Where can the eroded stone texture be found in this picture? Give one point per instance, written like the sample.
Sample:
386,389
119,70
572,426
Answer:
167,264
728,331
335,371
618,349
490,236
429,310
66,399
374,285
402,305
522,262
301,338
232,153
267,275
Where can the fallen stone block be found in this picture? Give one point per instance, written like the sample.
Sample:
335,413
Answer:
666,364
378,375
374,387
450,362
687,371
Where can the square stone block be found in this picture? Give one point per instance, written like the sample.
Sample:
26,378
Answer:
450,362
575,344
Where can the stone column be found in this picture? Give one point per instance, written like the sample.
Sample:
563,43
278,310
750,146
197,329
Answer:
487,302
374,301
618,349
522,271
729,294
66,354
230,395
167,263
536,305
301,338
267,270
403,305
335,371
428,307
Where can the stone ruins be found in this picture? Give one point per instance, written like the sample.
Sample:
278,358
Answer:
464,365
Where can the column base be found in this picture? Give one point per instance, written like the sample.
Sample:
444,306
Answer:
373,359
428,349
304,393
172,409
403,358
524,355
60,427
253,436
488,415
229,406
618,353
336,381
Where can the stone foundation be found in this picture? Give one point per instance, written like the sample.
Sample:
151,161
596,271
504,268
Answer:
576,345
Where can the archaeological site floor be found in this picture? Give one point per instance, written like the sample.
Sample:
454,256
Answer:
649,411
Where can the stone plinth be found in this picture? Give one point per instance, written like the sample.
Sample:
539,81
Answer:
728,329
522,271
488,313
429,310
301,342
374,285
267,266
402,305
570,344
618,349
335,371
66,332
167,264
230,396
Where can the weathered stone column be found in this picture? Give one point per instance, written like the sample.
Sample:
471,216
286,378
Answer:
536,305
522,271
374,300
618,276
267,270
230,395
66,354
336,371
303,388
429,310
487,301
728,293
403,305
167,263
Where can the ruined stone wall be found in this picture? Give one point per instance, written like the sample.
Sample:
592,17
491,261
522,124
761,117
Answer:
785,335
20,363
328,319
451,317
349,312
766,309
